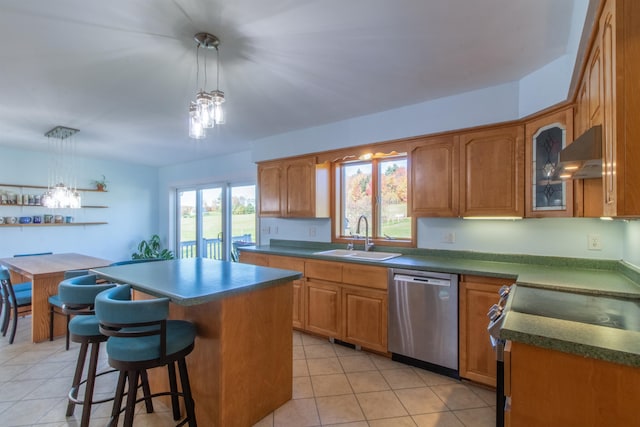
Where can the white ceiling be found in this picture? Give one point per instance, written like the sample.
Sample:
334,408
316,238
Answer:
124,71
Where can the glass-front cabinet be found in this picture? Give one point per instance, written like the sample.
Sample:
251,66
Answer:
546,194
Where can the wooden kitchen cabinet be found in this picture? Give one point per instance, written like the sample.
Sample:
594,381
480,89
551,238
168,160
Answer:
323,298
254,258
492,172
545,137
365,317
434,175
297,264
477,357
270,189
553,388
323,308
297,188
610,76
346,301
620,32
365,306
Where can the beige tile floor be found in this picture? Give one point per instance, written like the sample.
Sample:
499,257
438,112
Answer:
332,385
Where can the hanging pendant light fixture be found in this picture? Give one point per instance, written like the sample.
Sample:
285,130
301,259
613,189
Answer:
206,111
62,158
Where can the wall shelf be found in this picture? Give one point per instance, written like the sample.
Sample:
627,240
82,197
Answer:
45,187
66,224
13,196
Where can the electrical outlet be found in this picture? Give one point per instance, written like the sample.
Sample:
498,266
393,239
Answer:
594,243
312,232
266,230
449,237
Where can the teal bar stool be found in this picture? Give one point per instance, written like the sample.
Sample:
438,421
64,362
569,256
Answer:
55,306
141,338
78,294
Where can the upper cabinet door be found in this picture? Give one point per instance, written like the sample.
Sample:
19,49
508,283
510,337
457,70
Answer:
546,196
434,166
297,188
492,172
300,177
269,189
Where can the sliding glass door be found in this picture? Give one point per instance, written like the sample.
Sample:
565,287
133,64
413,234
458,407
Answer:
207,215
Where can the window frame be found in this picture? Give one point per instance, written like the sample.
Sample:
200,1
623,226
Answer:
337,202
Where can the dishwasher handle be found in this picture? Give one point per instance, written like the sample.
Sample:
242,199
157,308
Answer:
423,280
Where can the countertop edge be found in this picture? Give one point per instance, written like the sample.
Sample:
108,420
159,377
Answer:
526,274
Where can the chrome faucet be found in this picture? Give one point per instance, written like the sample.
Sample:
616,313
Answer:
367,243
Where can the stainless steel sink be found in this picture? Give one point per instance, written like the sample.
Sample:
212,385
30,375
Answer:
373,256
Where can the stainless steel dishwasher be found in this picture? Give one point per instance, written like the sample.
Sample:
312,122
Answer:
423,319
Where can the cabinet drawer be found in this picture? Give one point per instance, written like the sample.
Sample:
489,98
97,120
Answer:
254,258
286,263
325,270
363,275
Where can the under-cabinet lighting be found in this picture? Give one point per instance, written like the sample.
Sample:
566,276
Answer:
511,218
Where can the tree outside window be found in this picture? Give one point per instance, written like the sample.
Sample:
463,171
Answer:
377,189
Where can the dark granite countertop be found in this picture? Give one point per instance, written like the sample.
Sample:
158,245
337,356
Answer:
594,277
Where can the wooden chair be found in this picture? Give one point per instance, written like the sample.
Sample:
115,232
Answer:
16,299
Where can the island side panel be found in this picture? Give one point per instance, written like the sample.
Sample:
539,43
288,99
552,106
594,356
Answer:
241,368
257,354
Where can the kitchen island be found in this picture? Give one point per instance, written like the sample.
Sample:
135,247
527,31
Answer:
241,367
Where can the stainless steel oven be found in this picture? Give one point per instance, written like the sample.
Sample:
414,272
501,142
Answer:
496,318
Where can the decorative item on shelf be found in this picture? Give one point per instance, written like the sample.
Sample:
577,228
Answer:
48,219
25,220
101,184
37,219
206,111
151,249
62,154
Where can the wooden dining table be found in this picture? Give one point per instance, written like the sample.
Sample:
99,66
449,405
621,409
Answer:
45,273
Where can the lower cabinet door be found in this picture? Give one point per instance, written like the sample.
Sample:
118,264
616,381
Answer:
323,303
477,357
298,304
365,317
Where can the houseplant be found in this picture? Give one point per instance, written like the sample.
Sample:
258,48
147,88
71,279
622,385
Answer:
151,249
101,184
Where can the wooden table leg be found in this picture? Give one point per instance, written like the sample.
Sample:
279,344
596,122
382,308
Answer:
43,288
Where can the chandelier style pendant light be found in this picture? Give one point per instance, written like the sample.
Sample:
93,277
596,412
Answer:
61,191
206,111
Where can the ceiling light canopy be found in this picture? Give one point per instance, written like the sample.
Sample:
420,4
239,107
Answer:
206,111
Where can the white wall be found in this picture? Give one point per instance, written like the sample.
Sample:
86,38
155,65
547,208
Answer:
546,86
479,107
131,215
562,237
632,243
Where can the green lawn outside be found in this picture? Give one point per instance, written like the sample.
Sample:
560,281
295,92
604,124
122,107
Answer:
240,224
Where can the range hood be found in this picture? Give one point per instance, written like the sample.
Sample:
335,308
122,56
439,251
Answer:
582,159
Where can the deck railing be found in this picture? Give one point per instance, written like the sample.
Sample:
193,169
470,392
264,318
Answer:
212,247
